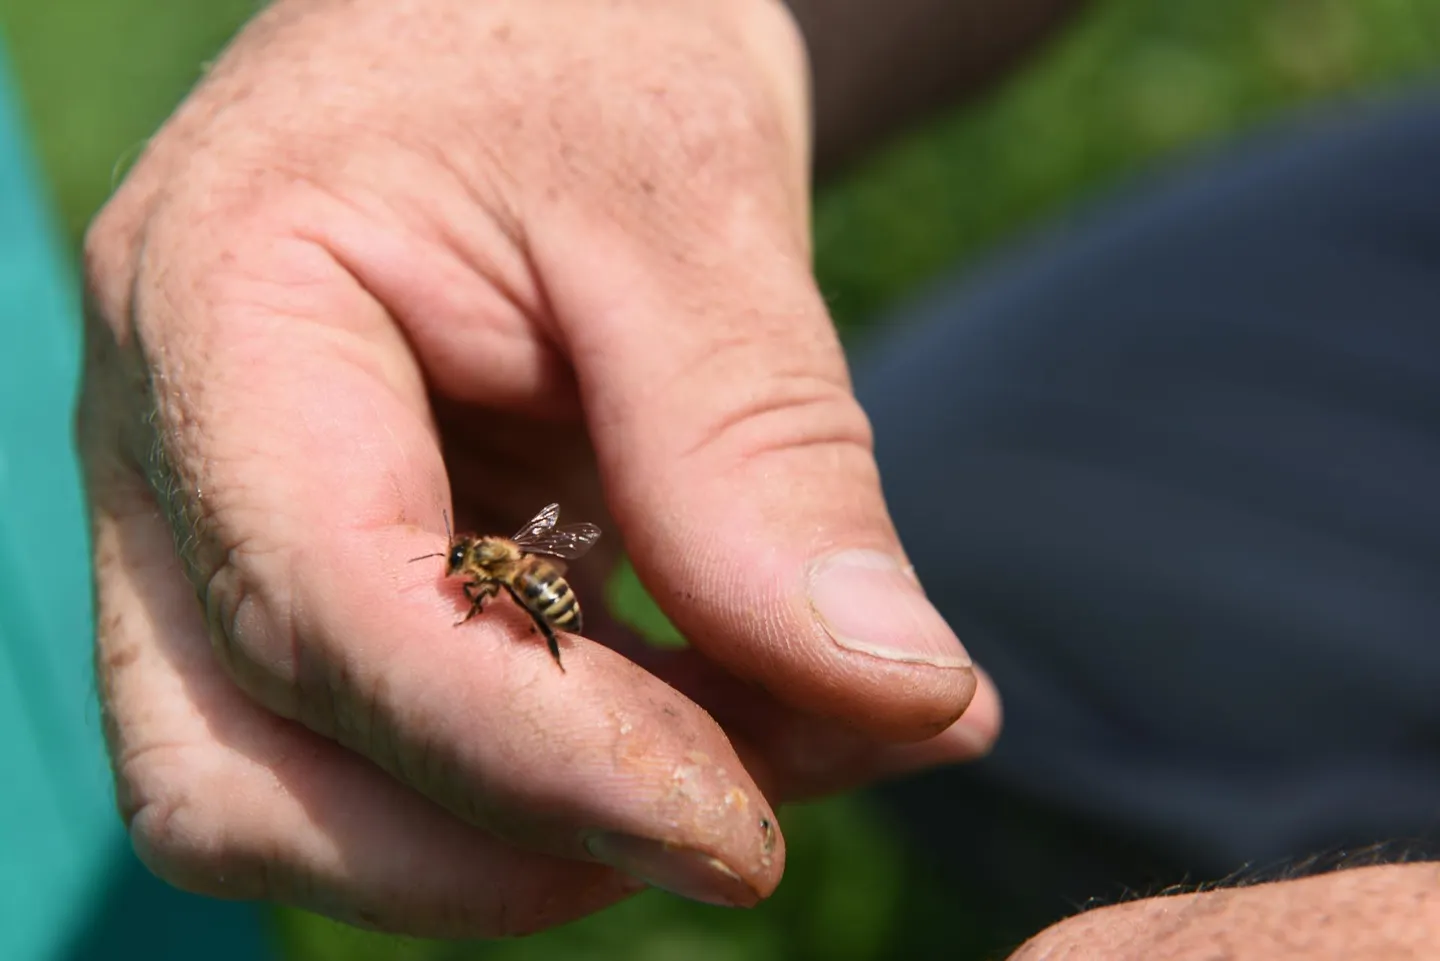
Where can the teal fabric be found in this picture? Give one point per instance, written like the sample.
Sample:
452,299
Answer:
69,885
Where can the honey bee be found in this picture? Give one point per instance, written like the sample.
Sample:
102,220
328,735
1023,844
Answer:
530,567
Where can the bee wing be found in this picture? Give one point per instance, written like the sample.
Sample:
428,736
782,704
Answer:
537,526
567,542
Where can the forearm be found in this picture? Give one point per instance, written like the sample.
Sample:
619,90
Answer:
879,64
1388,911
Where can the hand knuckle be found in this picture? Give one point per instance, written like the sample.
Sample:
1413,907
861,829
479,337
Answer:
108,257
179,828
782,413
246,596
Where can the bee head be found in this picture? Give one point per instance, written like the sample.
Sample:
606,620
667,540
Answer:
455,558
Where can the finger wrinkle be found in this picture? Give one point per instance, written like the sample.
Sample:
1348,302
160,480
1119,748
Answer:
368,716
253,630
783,413
129,765
359,698
222,610
492,246
180,834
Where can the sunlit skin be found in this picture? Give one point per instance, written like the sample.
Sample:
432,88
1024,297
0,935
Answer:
321,322
398,257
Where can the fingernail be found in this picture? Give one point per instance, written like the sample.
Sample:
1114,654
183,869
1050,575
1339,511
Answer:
868,602
683,871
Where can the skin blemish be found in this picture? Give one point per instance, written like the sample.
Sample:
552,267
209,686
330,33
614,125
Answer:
682,782
635,742
685,782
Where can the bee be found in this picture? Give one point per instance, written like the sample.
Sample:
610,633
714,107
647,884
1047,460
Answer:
529,566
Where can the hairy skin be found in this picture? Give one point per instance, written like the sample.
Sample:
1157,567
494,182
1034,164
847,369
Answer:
1379,912
398,255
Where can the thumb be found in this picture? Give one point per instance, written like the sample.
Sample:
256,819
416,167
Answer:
739,468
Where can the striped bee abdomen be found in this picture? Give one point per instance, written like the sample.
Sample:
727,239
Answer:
548,595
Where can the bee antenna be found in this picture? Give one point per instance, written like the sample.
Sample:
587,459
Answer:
448,537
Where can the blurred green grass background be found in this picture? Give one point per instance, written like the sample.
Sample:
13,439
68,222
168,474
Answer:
1133,83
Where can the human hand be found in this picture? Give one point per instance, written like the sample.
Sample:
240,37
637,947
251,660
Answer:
521,253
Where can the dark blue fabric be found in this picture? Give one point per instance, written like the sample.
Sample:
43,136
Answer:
1172,469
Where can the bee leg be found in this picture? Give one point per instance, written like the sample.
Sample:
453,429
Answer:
550,639
478,594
